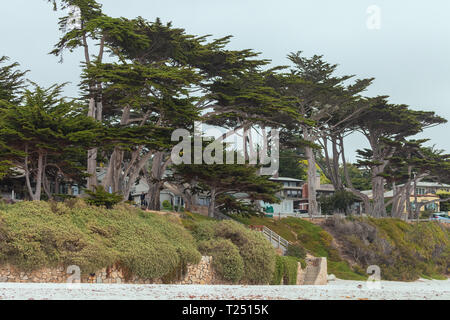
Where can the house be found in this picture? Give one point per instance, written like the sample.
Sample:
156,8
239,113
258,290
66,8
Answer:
293,196
425,192
290,196
165,194
142,187
321,190
424,187
15,189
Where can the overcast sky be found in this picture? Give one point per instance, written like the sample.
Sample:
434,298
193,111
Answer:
409,55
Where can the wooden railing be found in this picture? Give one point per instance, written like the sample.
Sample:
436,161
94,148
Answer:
275,239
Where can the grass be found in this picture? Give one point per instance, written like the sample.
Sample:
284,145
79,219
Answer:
190,219
426,246
270,223
313,238
403,251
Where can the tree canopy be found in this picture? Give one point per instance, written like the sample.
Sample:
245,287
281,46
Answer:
159,78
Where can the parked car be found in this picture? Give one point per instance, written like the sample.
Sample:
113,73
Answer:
441,218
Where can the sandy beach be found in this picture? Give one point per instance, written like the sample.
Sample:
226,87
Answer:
335,290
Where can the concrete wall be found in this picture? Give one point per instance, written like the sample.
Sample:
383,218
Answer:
315,272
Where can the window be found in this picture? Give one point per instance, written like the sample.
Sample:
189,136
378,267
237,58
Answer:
203,201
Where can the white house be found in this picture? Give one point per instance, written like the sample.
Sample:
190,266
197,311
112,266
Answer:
290,196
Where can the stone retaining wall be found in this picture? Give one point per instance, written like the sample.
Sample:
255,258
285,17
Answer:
201,273
315,273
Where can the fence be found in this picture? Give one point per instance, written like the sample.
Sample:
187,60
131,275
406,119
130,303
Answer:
275,239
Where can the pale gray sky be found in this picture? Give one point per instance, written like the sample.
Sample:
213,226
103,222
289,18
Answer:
409,55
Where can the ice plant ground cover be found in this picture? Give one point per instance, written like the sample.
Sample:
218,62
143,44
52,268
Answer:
335,290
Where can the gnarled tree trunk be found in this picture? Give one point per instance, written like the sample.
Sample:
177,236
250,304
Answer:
313,208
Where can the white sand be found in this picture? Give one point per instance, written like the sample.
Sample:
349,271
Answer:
339,289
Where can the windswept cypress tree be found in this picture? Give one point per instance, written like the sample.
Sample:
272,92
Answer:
321,94
411,163
41,133
385,126
12,83
223,182
94,26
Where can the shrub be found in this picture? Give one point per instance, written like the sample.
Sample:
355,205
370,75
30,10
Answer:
340,201
100,197
226,258
295,250
167,205
203,230
34,235
403,251
177,208
313,239
286,269
257,253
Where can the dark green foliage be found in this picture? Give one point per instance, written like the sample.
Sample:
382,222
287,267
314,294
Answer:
34,235
290,165
222,181
360,178
11,85
387,126
339,202
257,253
295,250
230,205
166,205
226,258
12,82
286,269
45,136
204,230
5,166
100,197
445,205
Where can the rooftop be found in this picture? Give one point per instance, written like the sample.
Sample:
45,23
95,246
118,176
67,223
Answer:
286,179
390,194
430,184
325,187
